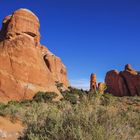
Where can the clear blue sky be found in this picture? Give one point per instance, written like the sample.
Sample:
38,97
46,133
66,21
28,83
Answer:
88,35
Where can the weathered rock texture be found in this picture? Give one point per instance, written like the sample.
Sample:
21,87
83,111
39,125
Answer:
125,83
26,67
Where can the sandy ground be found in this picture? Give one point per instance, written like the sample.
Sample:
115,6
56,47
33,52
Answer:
9,130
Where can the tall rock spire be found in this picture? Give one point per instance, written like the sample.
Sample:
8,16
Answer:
93,82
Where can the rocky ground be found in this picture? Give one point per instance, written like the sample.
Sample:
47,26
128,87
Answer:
9,130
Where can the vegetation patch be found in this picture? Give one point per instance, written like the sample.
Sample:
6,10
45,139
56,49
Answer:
80,115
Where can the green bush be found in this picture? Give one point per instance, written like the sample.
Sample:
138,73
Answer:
70,97
79,92
74,95
26,102
2,108
44,96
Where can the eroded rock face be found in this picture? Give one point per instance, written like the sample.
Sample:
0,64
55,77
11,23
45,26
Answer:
115,83
26,67
125,83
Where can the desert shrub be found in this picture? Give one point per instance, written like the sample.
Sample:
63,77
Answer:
107,99
91,119
70,97
44,96
59,86
2,107
26,102
81,115
74,95
13,109
13,103
9,109
79,92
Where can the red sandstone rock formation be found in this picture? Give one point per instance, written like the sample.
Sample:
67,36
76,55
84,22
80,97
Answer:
115,83
93,83
126,83
26,67
101,87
